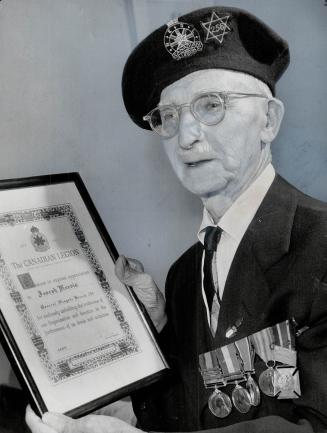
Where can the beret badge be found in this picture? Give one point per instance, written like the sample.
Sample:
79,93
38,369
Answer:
216,27
182,39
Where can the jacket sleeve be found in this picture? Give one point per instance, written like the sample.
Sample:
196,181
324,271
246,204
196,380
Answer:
268,424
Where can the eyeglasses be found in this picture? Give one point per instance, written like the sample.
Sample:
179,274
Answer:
207,107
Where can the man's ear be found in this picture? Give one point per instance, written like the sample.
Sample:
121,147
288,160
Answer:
275,113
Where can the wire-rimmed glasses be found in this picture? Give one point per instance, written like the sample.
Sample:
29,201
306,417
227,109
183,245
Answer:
207,107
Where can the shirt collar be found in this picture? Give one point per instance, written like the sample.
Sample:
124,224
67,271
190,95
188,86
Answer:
238,217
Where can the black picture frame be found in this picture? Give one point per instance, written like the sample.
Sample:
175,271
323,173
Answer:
8,336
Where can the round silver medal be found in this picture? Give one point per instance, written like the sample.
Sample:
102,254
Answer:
241,399
220,404
267,381
253,390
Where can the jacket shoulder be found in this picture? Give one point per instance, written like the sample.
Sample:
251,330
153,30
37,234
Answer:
310,213
312,207
311,216
304,200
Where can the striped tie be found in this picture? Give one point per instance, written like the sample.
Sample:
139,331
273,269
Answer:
210,276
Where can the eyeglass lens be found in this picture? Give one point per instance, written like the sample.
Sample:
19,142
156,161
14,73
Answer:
207,108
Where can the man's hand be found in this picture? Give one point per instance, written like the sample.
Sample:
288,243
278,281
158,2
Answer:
57,423
131,273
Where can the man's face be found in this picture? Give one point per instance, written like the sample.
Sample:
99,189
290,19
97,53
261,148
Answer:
217,159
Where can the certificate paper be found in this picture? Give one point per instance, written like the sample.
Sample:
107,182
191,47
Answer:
75,334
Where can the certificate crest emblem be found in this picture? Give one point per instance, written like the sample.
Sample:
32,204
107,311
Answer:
39,240
216,28
182,40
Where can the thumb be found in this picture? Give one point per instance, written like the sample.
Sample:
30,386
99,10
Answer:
135,265
60,423
120,267
35,424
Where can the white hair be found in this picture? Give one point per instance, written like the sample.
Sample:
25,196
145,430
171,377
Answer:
263,87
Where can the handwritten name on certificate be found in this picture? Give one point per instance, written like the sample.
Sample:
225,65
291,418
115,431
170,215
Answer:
61,292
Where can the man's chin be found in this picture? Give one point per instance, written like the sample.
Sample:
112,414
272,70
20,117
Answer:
207,190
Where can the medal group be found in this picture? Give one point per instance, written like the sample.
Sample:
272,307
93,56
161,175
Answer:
234,364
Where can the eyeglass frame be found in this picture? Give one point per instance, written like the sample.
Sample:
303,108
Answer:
224,96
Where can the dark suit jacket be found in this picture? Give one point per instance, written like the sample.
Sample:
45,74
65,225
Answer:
279,272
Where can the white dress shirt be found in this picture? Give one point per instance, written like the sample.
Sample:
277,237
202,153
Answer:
234,224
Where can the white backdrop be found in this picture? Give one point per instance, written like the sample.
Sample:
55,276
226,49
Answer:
61,110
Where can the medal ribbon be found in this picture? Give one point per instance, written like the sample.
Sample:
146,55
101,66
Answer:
284,335
276,343
246,352
227,363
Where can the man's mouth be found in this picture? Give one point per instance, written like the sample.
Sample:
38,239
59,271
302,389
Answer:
197,163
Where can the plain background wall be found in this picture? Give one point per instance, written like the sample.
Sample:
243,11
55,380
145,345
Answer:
61,110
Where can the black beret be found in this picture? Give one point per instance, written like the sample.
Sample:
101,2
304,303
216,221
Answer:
208,38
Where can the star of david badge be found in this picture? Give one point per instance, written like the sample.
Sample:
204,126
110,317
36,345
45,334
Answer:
216,27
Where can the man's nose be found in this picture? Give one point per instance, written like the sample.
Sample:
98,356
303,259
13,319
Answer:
189,129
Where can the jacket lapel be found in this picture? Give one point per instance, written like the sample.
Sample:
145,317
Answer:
266,241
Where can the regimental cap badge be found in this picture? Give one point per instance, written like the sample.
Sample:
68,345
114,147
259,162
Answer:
182,40
216,28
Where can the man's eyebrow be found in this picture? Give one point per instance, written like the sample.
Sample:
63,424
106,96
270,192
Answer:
169,102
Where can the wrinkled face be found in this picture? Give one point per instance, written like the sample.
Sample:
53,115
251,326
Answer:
211,160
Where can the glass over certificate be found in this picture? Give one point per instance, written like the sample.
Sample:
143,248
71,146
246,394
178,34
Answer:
76,336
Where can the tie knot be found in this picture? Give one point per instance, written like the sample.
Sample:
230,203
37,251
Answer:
211,238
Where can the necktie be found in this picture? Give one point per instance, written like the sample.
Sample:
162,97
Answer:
210,277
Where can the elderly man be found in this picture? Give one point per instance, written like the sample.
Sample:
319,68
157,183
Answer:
247,303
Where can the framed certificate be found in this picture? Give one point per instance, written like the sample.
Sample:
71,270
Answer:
76,336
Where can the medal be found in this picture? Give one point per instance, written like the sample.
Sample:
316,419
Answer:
253,390
219,404
276,342
267,380
241,399
225,365
287,382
